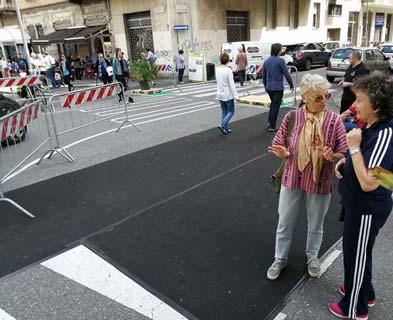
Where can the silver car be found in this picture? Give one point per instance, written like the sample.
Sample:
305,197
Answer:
374,59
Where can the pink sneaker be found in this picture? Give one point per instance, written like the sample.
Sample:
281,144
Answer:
341,289
335,309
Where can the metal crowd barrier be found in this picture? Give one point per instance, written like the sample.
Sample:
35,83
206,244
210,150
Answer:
79,110
23,133
169,68
36,87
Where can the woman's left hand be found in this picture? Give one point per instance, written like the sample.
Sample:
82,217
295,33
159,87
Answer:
354,137
328,154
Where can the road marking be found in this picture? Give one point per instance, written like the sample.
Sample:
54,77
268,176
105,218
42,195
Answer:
131,108
102,133
329,261
88,269
132,118
280,316
5,316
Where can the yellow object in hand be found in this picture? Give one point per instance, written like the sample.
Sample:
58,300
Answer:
383,176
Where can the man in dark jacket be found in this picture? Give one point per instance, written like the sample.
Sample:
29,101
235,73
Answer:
274,70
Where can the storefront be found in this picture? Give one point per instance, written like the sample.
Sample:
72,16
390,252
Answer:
11,42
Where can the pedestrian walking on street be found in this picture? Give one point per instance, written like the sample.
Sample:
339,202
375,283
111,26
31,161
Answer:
274,70
180,65
356,69
50,64
35,63
4,67
226,93
77,66
66,72
366,205
120,70
22,64
103,69
316,141
241,64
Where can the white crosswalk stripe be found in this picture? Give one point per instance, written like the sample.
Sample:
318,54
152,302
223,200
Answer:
5,316
88,269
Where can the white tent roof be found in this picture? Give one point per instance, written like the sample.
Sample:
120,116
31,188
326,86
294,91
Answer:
12,35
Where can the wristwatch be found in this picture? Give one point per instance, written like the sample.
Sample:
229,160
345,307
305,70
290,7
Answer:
354,151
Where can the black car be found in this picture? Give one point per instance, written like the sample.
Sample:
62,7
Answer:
307,55
7,106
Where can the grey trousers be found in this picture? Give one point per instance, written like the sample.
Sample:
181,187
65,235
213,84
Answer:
288,210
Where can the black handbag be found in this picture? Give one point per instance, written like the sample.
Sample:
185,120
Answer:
277,176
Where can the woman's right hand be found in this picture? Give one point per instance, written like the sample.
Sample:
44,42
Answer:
339,164
278,151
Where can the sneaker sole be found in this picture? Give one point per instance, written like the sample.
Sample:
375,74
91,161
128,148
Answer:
344,317
370,303
314,275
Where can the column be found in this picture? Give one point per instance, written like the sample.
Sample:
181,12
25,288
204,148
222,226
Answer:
384,27
372,28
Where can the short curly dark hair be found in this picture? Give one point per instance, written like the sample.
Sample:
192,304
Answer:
379,88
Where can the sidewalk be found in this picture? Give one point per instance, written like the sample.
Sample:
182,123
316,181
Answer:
310,300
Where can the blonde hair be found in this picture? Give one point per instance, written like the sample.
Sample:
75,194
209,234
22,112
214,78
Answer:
313,83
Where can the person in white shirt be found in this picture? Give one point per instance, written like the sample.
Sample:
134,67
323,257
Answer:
50,63
226,93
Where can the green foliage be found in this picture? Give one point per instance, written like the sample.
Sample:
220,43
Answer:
142,70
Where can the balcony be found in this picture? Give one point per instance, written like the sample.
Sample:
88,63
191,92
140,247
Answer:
7,6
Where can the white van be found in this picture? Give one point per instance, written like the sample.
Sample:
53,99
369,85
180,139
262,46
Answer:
257,53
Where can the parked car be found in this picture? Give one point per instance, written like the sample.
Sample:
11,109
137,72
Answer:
387,49
257,52
307,55
7,106
374,59
333,45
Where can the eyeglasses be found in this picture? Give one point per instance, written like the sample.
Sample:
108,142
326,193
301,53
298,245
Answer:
320,98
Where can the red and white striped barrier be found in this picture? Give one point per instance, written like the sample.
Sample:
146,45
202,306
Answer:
74,99
19,81
19,120
164,68
259,69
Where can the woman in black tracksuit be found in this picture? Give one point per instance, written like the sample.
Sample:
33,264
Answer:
366,205
66,72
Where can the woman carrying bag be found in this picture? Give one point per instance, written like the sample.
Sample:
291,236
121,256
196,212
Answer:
103,69
65,68
317,141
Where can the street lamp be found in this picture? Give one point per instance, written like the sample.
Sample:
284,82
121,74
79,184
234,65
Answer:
20,23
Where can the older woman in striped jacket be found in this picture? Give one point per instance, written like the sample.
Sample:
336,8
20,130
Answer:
317,141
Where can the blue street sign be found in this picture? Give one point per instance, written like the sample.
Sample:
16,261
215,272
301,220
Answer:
251,69
169,68
181,27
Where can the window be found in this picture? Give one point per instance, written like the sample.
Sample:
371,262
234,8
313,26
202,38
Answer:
252,49
310,46
387,49
369,55
378,55
342,54
271,14
316,15
335,10
317,46
293,13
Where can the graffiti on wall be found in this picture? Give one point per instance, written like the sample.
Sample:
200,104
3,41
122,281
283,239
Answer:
205,46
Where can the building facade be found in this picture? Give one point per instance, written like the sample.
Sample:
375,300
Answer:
150,24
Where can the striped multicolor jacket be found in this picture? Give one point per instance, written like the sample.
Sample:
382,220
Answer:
335,137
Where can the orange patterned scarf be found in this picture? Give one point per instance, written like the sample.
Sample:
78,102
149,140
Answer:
311,143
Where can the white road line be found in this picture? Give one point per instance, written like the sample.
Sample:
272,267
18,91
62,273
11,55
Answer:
329,261
158,112
280,316
202,95
88,269
131,105
102,133
132,109
5,316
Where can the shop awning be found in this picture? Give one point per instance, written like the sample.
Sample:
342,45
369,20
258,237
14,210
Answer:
11,36
69,35
84,34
